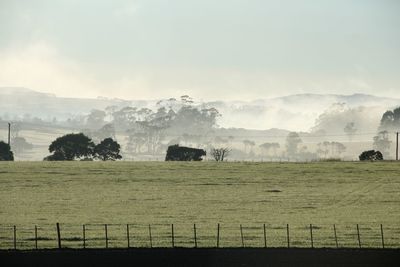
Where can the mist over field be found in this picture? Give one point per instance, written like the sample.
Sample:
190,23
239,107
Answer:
247,127
267,80
254,127
293,112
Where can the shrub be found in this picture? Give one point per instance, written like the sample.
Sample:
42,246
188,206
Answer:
371,155
181,153
5,152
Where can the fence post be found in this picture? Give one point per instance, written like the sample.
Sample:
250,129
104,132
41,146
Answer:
241,235
172,235
36,247
127,235
84,235
265,237
151,241
218,236
106,232
311,234
383,242
15,237
195,235
358,235
334,230
288,236
58,235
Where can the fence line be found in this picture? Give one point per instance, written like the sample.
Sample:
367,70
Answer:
250,236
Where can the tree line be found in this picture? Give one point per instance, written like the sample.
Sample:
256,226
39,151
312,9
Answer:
148,131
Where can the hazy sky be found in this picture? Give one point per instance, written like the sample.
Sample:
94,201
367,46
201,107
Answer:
209,49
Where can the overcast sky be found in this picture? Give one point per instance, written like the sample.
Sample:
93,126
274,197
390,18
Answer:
209,49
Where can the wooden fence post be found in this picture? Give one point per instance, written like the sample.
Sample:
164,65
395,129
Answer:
241,235
127,235
36,246
172,235
195,235
218,236
15,237
311,234
84,235
288,236
151,241
358,235
265,237
383,241
334,230
106,232
58,235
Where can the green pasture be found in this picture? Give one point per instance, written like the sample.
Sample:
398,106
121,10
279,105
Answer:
201,193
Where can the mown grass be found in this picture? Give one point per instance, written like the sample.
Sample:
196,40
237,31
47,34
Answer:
205,193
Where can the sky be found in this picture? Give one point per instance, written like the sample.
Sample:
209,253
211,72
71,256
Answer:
225,49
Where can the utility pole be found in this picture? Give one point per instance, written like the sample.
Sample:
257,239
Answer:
9,133
397,146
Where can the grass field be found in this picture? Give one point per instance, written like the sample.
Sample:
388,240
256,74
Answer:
205,193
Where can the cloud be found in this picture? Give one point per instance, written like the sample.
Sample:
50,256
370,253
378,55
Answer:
39,66
127,10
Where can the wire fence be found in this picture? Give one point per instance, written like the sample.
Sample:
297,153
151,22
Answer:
197,236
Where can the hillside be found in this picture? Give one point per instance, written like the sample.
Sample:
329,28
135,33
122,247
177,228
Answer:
293,112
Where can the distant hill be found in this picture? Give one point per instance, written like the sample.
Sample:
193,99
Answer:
16,101
293,112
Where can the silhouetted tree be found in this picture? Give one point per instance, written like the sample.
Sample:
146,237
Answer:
371,155
219,154
5,152
108,149
71,147
181,153
56,156
390,120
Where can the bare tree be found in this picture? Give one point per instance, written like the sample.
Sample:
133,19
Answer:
220,154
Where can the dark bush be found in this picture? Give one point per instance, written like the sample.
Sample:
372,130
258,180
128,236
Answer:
371,155
108,149
71,147
56,156
181,153
5,152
